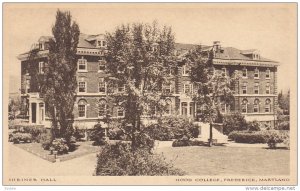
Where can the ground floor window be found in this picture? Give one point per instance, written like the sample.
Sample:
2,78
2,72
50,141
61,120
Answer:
81,109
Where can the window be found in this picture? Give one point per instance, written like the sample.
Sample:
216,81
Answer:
244,106
256,73
184,108
81,87
244,88
121,88
102,107
167,89
224,71
187,88
223,108
120,112
244,72
268,106
256,88
82,108
171,71
168,107
41,46
186,70
101,66
102,85
82,64
256,106
268,88
99,43
41,67
27,86
103,43
268,73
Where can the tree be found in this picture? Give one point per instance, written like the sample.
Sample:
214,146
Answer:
59,83
284,102
138,57
214,87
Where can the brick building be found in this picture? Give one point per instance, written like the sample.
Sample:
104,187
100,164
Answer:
255,93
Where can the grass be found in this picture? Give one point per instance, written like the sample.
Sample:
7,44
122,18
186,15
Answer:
228,160
83,148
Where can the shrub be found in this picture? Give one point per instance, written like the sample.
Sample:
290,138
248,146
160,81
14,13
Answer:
144,141
120,160
97,135
60,145
253,126
169,128
21,137
186,142
272,137
234,122
249,137
283,125
157,132
115,133
78,134
46,139
276,137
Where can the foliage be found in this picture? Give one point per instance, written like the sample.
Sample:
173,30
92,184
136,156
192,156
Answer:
234,122
253,126
169,128
121,160
276,137
272,137
284,102
46,139
60,145
139,57
144,141
59,84
79,134
97,135
14,105
20,137
249,137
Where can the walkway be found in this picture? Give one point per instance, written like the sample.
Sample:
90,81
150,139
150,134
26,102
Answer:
22,163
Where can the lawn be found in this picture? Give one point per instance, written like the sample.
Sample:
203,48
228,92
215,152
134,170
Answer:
222,160
83,148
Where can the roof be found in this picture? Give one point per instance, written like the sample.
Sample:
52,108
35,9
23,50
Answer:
230,53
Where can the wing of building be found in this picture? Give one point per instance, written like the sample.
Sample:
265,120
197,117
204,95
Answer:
255,92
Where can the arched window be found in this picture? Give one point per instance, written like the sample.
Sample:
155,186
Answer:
168,110
102,108
268,106
256,106
244,106
82,108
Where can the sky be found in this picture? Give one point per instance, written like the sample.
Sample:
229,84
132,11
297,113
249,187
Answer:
269,28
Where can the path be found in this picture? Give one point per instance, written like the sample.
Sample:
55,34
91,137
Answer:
22,163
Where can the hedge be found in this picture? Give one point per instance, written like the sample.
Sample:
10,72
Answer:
267,136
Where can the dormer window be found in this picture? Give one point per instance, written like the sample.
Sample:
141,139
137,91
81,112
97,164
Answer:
41,46
101,43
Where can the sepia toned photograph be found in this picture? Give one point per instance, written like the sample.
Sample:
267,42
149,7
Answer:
149,94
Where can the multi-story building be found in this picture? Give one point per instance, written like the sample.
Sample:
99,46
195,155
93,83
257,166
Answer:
255,92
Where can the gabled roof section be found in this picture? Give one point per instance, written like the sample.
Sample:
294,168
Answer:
45,38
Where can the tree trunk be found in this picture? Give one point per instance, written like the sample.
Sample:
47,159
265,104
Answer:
210,134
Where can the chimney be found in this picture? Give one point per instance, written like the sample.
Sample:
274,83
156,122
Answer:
217,46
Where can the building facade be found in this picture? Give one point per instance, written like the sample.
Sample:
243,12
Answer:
255,92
